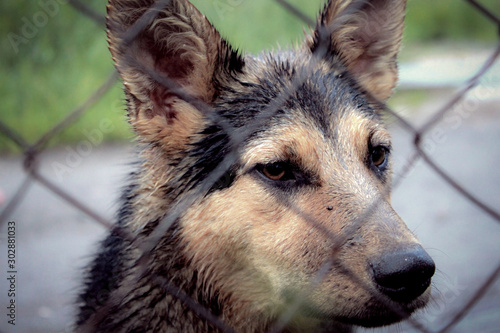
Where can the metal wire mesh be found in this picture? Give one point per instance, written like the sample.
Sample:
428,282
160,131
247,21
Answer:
32,153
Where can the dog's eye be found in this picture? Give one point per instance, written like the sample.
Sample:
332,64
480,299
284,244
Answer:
379,156
277,171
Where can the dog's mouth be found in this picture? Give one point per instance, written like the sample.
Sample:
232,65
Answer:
383,311
377,309
404,293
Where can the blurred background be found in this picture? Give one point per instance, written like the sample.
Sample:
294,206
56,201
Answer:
54,57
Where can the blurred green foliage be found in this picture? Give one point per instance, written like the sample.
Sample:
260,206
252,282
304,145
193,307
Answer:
49,67
53,57
437,20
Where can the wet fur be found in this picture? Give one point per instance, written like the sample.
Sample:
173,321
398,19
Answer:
242,249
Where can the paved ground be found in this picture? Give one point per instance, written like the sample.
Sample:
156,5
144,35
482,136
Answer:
55,240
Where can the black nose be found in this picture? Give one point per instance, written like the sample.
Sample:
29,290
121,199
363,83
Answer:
403,275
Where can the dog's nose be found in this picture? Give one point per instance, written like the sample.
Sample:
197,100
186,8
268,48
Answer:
405,274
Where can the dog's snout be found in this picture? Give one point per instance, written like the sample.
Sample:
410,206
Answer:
405,274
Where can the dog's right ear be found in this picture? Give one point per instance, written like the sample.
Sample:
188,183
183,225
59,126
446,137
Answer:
171,59
365,35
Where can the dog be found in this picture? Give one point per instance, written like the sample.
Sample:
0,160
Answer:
260,199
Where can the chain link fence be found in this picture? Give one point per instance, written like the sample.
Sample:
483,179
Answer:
33,151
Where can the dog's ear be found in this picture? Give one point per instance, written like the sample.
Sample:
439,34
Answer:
172,61
365,35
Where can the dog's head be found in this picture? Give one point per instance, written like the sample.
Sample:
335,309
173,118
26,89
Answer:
288,153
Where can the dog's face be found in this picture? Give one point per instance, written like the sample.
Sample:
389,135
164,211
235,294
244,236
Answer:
306,212
299,208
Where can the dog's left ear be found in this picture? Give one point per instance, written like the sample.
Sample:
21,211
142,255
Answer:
173,63
365,35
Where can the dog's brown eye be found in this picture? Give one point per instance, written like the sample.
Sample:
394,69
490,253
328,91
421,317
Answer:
284,175
379,156
274,171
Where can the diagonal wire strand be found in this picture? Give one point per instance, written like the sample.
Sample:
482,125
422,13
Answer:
76,113
472,82
88,11
16,200
14,136
478,295
483,10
